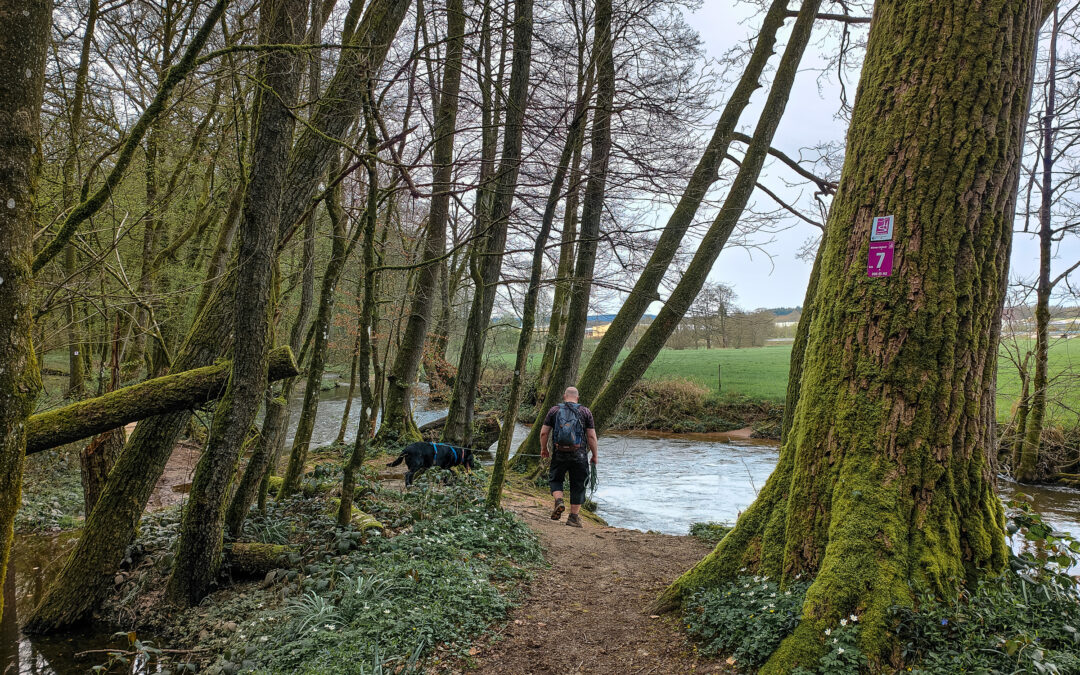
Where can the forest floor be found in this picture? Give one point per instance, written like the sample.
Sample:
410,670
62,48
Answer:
586,613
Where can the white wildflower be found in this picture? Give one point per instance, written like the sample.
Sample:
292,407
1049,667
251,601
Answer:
843,622
828,631
853,618
839,650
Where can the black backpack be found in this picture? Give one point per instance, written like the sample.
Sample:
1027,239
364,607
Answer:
569,433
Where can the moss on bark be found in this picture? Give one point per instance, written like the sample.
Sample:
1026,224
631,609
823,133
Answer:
885,481
172,393
22,81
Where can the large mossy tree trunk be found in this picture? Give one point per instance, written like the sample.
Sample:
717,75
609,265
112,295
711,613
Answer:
22,86
492,240
569,357
398,427
646,288
198,554
884,485
686,291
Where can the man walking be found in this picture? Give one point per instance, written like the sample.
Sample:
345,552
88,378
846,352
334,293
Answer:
575,432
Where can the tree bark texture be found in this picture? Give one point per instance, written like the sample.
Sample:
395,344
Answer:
198,555
885,485
493,242
88,572
172,393
22,85
646,288
95,462
398,427
686,291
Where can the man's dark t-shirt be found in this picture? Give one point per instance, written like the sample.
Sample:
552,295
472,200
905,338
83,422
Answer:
583,413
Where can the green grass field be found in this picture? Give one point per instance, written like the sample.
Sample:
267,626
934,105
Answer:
762,372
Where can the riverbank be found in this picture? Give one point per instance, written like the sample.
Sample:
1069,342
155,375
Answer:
425,585
678,405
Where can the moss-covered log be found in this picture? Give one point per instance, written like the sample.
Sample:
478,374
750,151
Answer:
885,483
251,559
359,521
182,391
22,82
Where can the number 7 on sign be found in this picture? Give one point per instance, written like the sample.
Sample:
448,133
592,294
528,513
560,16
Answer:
880,259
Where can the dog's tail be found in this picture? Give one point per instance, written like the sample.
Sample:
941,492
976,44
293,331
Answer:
399,460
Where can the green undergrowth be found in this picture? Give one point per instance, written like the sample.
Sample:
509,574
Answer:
52,496
710,533
1026,620
409,596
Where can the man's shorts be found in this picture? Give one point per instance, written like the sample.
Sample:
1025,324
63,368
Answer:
575,463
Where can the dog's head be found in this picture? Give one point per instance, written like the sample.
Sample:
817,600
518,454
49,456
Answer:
469,458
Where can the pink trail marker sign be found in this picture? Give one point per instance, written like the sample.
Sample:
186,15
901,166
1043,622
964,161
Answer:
880,259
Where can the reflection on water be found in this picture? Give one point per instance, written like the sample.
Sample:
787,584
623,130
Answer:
332,407
35,560
666,483
1059,506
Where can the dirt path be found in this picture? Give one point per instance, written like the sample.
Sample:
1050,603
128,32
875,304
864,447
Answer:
586,614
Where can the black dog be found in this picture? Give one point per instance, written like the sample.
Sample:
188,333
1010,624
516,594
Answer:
421,456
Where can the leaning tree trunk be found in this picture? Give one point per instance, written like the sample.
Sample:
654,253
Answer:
605,69
340,249
89,569
798,347
493,241
1027,469
365,324
686,291
645,290
884,486
398,427
592,208
22,85
198,554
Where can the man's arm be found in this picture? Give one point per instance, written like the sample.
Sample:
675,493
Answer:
545,431
590,437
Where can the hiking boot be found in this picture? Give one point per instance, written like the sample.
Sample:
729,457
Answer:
573,520
557,512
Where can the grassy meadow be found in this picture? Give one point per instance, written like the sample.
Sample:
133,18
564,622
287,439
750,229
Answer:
762,372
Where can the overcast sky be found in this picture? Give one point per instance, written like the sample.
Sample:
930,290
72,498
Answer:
810,119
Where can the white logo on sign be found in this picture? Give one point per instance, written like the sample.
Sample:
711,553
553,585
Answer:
882,229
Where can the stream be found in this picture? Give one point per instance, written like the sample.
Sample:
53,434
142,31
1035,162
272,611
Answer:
646,481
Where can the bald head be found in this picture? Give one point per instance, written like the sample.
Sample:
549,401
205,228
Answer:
570,395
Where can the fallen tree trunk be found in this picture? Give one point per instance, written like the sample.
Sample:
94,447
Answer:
158,396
